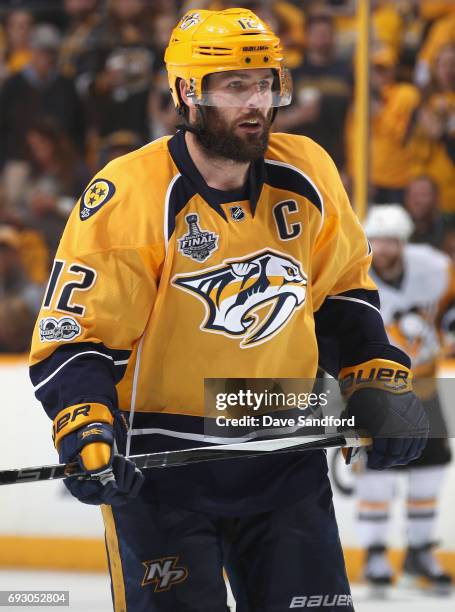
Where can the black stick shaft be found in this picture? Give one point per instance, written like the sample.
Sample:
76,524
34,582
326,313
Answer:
186,457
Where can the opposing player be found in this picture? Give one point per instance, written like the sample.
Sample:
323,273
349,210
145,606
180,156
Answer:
220,252
416,283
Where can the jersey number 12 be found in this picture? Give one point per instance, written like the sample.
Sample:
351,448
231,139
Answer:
86,280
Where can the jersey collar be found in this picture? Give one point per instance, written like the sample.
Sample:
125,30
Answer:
215,197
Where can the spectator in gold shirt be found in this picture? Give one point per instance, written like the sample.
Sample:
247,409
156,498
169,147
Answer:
392,107
440,34
433,138
20,297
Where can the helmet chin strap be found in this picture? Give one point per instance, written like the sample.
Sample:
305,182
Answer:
186,125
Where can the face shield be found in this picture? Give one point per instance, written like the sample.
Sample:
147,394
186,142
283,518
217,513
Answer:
244,89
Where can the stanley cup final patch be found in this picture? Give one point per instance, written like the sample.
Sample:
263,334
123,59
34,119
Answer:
95,197
197,243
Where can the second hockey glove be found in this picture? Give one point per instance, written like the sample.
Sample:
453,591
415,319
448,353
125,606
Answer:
85,432
380,398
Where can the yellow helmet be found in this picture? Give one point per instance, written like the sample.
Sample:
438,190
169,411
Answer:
204,42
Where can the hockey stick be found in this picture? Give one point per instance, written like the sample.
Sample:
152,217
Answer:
350,439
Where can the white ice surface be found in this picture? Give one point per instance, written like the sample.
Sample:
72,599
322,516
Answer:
91,593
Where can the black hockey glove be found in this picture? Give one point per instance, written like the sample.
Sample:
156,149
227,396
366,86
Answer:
85,432
380,398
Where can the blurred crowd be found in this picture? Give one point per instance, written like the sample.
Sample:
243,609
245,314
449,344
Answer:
83,81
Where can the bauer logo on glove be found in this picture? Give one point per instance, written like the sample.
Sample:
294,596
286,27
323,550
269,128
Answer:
380,398
85,433
74,417
377,373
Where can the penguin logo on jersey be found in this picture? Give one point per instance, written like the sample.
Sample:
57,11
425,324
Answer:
252,298
413,331
94,197
197,244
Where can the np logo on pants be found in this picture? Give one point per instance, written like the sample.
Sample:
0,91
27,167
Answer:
163,573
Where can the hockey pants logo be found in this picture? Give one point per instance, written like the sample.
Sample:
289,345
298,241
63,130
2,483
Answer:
321,601
163,573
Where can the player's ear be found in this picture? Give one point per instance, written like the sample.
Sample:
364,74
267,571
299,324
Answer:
184,107
182,90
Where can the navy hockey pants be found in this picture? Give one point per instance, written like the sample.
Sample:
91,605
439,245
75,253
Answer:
167,559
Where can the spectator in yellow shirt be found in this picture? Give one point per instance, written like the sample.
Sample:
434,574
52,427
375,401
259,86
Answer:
433,138
20,298
393,105
434,9
386,20
387,24
441,33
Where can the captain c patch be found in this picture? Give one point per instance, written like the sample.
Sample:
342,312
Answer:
95,197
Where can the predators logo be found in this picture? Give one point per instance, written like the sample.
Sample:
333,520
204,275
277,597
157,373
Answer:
252,298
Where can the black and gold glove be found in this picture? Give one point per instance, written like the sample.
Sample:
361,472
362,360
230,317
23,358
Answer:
85,433
380,398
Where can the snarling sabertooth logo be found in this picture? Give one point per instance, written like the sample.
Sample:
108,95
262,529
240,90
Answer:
252,298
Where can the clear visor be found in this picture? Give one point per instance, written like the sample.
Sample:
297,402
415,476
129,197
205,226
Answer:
240,88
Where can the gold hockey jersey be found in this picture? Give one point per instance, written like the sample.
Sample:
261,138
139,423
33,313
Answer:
160,281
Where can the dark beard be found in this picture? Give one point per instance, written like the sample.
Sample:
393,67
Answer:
219,140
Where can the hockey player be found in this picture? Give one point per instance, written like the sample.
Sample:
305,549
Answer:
416,283
219,252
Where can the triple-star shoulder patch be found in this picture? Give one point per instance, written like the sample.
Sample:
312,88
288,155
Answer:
97,194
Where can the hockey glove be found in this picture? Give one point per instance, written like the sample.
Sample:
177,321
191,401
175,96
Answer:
85,432
380,398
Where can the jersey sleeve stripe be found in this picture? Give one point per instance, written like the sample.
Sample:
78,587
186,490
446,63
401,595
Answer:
167,220
61,366
137,368
79,372
352,299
